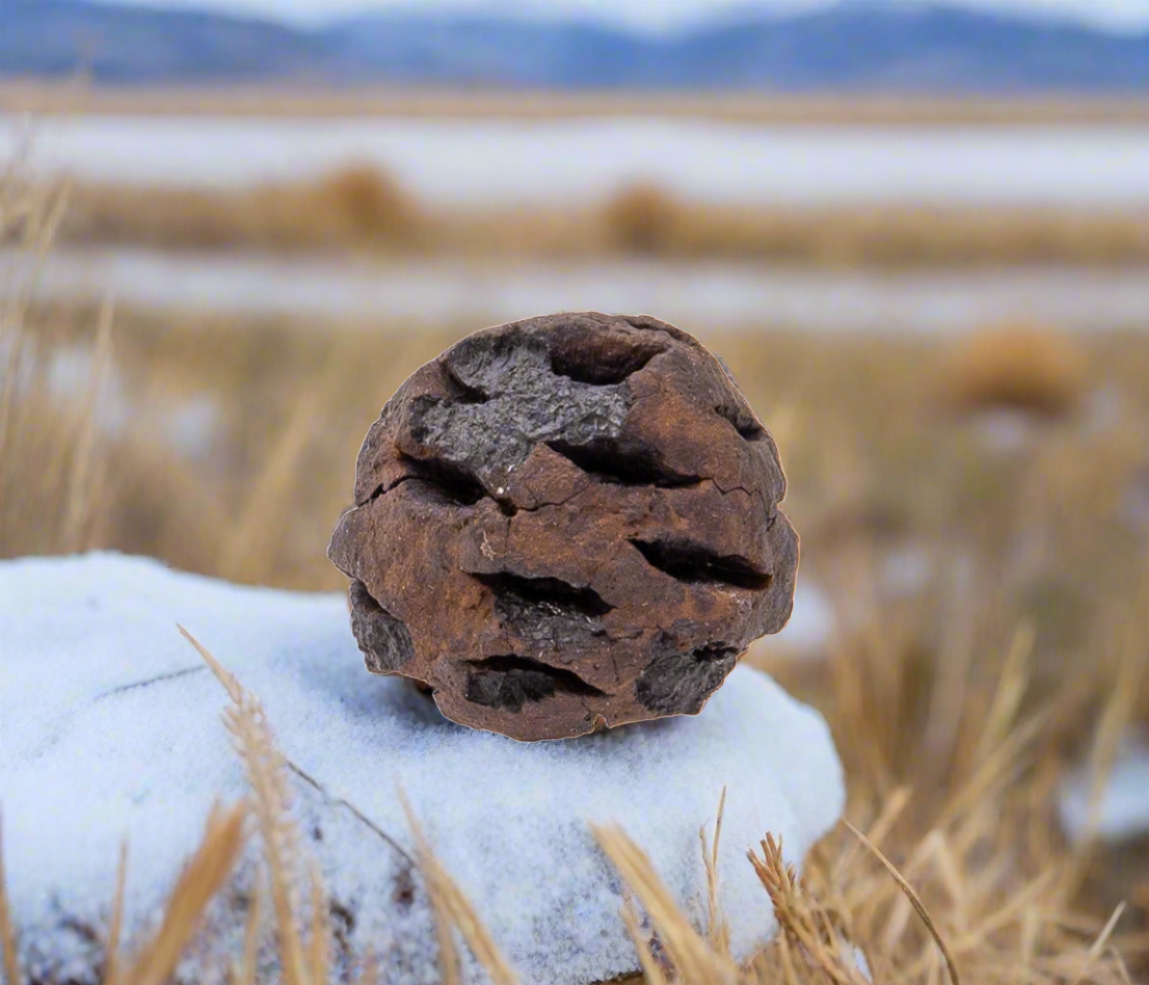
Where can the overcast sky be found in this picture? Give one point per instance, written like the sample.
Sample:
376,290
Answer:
660,14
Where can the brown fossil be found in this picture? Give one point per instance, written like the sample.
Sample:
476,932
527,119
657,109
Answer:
564,524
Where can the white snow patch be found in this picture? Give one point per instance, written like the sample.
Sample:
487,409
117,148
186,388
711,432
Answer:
1004,430
1123,808
111,729
810,628
193,425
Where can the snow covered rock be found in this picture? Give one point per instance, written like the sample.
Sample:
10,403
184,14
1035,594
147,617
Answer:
110,729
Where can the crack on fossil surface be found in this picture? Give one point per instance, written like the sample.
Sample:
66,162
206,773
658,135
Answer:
742,421
693,563
460,390
608,461
453,483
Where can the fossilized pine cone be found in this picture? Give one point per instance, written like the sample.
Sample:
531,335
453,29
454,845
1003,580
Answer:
565,524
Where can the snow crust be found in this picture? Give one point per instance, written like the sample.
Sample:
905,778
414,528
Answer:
110,729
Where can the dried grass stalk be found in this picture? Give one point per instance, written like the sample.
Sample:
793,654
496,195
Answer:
203,876
247,722
454,911
11,959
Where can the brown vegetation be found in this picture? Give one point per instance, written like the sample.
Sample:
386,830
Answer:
354,207
1018,366
360,207
957,707
791,109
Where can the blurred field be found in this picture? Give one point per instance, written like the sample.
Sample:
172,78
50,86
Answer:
360,207
79,96
1014,467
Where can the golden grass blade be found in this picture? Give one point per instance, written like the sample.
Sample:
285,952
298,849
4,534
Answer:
247,722
693,960
892,809
320,950
368,973
453,909
115,923
262,516
82,481
1118,712
1012,685
717,932
11,962
1099,944
806,925
652,973
914,899
444,925
203,877
1122,971
245,974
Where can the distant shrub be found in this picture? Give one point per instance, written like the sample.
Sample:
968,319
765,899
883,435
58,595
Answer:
368,201
354,206
641,218
1015,365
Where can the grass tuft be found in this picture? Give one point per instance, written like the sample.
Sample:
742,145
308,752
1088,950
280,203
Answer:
1017,366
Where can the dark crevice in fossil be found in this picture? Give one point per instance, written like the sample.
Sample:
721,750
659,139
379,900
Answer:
520,597
742,421
692,563
462,392
607,461
509,682
714,652
600,360
455,483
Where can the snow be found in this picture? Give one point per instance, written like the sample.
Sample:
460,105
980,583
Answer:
1123,807
110,728
810,628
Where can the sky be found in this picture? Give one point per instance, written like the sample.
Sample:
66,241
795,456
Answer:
658,15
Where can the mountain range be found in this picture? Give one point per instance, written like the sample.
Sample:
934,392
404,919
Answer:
855,45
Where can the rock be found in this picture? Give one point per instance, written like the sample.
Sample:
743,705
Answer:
111,730
565,524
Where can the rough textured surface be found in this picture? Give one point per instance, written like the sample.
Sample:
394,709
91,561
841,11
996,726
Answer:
565,524
110,728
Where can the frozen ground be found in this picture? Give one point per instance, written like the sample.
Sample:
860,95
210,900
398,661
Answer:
111,729
454,160
700,294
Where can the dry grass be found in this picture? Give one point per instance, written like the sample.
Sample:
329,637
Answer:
1025,367
360,207
357,206
957,706
791,109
